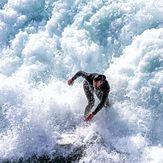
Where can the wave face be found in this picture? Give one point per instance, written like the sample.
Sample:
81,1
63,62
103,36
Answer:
43,43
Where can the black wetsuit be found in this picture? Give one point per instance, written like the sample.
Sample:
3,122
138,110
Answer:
102,92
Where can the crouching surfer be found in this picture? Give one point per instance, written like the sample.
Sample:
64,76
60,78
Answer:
93,83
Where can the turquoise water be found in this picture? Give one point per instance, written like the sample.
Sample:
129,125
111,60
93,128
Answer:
43,43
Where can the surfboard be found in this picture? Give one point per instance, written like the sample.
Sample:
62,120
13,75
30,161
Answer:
67,139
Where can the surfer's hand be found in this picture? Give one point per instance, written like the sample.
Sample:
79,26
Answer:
89,117
70,82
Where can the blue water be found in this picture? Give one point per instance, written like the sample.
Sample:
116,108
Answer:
43,43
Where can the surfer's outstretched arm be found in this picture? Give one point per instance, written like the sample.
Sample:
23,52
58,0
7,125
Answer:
78,74
101,104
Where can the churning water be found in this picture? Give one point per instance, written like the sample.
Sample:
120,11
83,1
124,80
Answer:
43,43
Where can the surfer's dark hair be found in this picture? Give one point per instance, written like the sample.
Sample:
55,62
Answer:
99,77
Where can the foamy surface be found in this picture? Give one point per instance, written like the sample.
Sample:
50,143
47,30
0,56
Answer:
43,43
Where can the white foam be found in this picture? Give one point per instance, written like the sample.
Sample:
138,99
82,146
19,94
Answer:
43,43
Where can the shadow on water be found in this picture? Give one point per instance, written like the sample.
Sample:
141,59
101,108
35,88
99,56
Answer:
74,156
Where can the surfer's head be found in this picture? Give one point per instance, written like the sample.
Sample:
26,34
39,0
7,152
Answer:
98,80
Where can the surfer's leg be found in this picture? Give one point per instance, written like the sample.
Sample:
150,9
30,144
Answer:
99,94
90,98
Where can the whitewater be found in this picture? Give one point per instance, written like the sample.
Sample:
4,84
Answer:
43,43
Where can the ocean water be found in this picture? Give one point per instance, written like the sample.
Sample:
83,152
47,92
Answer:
43,43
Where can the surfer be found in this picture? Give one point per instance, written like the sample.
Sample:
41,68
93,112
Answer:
93,83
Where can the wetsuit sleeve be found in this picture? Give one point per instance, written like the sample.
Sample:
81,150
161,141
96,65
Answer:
82,74
101,104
